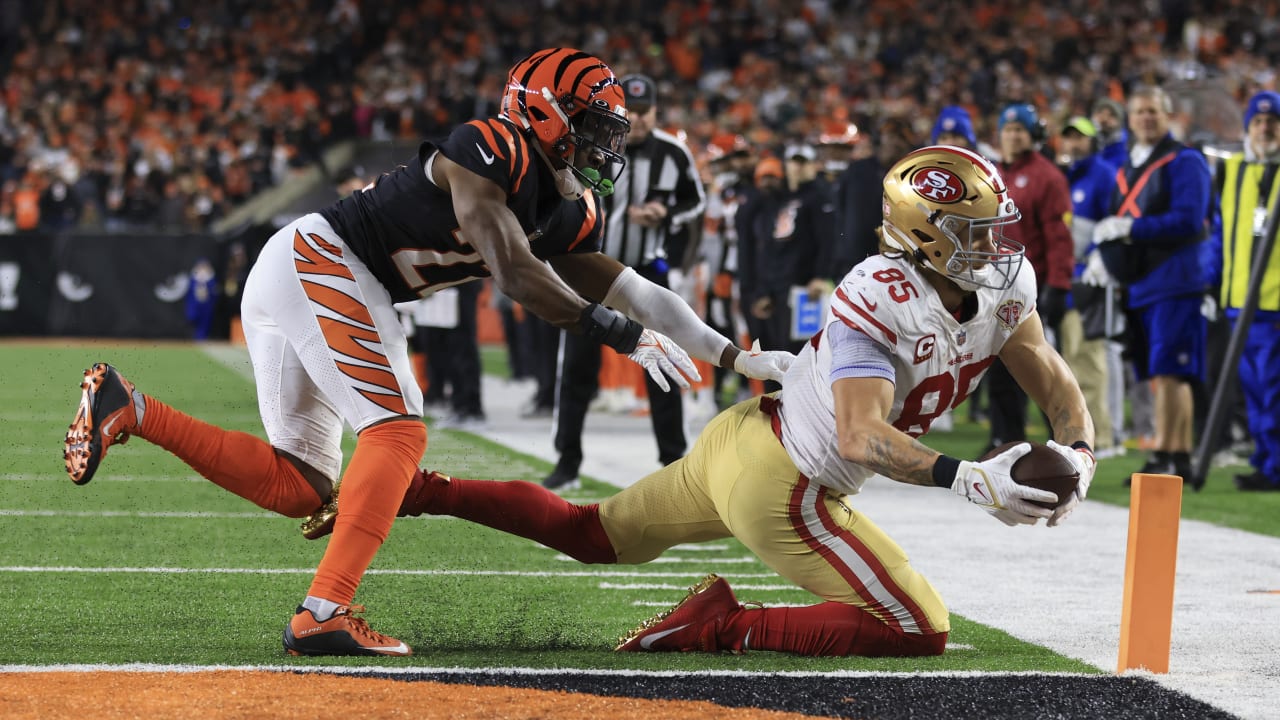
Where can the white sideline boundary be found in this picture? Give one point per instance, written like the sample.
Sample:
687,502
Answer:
505,671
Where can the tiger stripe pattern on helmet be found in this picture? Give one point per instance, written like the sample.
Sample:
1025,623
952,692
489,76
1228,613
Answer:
346,323
551,67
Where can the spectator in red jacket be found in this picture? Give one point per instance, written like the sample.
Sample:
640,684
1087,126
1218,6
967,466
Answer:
1040,190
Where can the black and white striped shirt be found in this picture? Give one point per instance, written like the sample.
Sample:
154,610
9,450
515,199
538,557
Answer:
660,169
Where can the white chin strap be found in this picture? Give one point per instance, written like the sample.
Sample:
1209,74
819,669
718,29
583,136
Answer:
567,183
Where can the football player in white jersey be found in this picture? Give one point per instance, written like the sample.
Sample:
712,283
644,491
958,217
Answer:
909,334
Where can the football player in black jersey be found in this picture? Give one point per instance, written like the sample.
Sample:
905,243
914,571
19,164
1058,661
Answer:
327,347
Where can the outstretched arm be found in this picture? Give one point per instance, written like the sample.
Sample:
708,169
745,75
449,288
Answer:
489,226
1042,372
1044,375
864,435
599,276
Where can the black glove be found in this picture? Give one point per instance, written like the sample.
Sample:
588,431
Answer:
1052,306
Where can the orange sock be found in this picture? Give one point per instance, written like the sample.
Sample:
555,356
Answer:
246,465
381,467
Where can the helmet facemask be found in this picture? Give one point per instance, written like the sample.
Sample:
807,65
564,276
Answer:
971,267
597,135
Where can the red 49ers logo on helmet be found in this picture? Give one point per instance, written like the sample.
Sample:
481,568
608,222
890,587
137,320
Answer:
937,185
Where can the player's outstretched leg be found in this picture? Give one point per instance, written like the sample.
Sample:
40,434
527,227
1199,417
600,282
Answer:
710,619
517,507
110,411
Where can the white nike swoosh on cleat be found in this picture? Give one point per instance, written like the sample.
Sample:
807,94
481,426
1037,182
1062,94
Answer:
647,641
400,648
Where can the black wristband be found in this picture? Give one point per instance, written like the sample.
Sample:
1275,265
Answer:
945,469
610,327
1081,445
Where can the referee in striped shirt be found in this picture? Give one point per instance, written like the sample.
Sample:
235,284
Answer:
652,219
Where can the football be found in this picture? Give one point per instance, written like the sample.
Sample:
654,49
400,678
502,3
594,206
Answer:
1044,469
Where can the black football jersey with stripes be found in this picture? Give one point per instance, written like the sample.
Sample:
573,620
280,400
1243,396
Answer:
404,229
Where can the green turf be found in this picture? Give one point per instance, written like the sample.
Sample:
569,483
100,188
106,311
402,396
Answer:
213,578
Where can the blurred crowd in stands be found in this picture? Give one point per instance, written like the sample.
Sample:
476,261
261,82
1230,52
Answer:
133,115
165,115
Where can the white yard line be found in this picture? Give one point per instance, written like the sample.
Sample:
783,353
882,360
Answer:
504,671
675,560
690,577
61,477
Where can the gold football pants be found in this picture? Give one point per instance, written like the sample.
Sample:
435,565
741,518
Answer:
739,481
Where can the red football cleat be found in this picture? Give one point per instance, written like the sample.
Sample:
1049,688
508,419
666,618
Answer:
693,624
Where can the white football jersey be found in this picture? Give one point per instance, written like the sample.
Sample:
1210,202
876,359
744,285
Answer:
937,360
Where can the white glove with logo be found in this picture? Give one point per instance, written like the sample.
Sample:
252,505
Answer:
763,365
659,356
1112,228
989,485
1085,465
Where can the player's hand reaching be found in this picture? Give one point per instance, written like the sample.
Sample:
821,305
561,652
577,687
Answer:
760,364
660,357
989,484
1085,464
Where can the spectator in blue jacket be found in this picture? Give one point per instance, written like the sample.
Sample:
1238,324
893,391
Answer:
1151,243
1089,320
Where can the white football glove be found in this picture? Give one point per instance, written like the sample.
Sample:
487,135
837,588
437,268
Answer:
988,484
1112,228
1085,465
763,365
659,356
1095,271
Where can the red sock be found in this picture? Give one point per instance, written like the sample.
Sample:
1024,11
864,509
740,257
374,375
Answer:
520,508
828,629
384,460
246,465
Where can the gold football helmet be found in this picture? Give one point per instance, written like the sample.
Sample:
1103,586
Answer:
944,206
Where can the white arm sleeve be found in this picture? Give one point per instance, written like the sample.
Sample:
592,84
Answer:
660,309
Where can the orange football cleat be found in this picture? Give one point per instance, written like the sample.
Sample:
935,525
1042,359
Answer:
342,634
110,411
